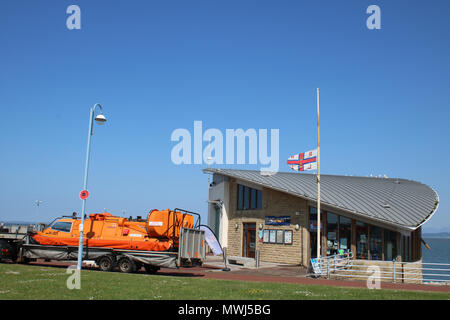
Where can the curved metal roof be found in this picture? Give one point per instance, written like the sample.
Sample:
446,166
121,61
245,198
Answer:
399,202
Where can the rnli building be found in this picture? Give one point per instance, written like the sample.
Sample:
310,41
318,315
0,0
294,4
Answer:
375,218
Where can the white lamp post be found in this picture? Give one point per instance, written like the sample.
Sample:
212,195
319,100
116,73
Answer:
100,119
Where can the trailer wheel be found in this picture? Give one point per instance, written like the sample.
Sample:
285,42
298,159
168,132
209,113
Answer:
106,263
151,269
127,265
138,266
6,251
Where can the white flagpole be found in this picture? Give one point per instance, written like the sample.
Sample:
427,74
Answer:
318,179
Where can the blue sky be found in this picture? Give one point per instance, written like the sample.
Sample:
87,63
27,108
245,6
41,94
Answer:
156,66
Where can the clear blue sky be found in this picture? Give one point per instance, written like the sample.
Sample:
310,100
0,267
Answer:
156,66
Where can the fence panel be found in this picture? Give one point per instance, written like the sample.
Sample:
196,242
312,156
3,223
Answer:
344,266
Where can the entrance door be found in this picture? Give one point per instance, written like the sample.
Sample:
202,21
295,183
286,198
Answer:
313,244
217,221
249,243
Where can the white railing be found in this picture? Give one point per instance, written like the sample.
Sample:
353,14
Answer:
324,266
342,266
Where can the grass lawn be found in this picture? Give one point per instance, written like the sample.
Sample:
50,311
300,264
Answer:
36,282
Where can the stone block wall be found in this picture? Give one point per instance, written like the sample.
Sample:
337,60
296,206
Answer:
274,203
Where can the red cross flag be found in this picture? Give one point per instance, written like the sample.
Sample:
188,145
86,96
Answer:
303,161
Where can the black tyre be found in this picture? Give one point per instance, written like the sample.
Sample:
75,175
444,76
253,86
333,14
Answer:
6,251
127,265
24,260
151,269
106,263
138,266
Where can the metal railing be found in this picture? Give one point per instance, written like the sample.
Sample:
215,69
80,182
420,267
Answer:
344,266
325,266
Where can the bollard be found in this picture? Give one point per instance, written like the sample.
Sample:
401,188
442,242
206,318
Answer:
225,259
393,271
328,269
257,258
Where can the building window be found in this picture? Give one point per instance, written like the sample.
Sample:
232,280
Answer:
345,233
404,258
240,197
248,198
406,245
408,252
259,199
339,233
313,219
332,233
390,245
376,243
362,243
253,198
313,230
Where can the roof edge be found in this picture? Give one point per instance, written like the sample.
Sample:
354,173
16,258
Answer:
436,206
397,225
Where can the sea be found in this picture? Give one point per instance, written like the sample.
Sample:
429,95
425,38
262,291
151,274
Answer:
439,253
439,250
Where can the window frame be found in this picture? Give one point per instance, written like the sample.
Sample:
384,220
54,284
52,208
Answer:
59,230
374,238
248,198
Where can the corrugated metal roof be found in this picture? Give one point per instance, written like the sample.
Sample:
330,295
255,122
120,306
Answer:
400,202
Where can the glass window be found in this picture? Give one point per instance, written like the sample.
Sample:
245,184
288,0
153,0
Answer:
63,226
362,243
259,201
345,233
312,219
332,233
313,230
240,197
405,248
390,245
246,197
376,241
408,248
253,199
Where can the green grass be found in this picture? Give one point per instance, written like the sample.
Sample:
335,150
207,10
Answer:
37,282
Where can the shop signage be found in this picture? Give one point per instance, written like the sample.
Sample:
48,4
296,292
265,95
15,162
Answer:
278,221
277,236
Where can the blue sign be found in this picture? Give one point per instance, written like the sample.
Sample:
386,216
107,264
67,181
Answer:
278,221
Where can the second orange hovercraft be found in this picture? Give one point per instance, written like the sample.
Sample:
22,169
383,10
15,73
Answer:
160,232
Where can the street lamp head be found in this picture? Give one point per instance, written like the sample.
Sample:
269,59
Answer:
100,119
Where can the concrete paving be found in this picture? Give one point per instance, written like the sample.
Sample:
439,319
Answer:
216,263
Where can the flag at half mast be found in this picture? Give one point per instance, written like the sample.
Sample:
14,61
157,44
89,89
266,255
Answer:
303,161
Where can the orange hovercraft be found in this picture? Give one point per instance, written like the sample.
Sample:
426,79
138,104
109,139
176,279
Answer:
160,232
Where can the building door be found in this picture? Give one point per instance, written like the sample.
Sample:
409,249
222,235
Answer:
313,244
217,221
249,237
